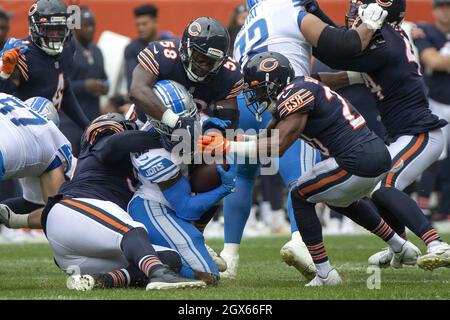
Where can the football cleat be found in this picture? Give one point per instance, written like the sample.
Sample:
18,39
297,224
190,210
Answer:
80,283
332,279
437,257
218,260
294,253
408,255
232,265
5,214
382,259
166,279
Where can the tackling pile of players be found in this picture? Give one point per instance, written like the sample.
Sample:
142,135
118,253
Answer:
126,216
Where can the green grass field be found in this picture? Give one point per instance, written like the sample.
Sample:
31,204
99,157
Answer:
28,272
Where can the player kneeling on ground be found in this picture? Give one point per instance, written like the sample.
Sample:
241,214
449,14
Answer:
358,159
87,225
164,202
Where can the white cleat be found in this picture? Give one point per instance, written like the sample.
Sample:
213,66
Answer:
232,262
332,279
218,260
382,259
5,214
438,257
80,283
408,255
294,253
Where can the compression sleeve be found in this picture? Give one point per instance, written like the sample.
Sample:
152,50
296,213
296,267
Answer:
115,148
343,43
192,207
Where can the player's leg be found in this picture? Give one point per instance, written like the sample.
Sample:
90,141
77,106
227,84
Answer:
168,230
297,160
90,236
413,154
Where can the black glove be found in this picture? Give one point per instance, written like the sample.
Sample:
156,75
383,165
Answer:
311,6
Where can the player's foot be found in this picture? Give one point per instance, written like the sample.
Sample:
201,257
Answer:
5,214
437,257
382,259
232,265
166,279
294,253
80,283
218,260
408,255
332,279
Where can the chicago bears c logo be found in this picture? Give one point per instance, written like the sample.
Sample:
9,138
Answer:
384,3
194,29
268,64
33,9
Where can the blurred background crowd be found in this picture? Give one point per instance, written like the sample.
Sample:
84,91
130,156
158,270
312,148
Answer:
106,52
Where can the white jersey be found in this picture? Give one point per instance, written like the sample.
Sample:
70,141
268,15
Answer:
29,144
153,167
272,26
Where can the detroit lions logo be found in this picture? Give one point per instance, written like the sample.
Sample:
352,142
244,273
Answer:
194,29
268,64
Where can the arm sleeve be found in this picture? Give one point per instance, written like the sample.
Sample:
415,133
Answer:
342,42
115,148
191,207
72,108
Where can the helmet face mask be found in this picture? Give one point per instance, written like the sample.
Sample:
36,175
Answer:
48,24
203,48
261,97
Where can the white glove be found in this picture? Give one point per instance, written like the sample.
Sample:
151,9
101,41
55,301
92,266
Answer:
373,15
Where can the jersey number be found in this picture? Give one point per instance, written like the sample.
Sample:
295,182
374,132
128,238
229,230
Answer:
9,105
169,52
256,34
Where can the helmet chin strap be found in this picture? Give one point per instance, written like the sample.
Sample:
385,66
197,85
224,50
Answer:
49,51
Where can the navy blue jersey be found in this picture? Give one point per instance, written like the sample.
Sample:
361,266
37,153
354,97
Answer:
438,82
95,179
334,126
161,58
394,77
46,76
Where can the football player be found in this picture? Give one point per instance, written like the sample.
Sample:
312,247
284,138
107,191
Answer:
37,65
164,202
414,135
33,150
357,157
199,63
293,38
87,225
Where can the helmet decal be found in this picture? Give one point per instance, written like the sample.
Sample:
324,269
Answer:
387,3
268,64
194,29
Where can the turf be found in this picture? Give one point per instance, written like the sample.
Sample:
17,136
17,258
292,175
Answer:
27,272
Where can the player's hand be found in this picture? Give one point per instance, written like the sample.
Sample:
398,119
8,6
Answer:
215,123
228,178
96,87
372,15
13,43
213,143
5,215
10,59
311,6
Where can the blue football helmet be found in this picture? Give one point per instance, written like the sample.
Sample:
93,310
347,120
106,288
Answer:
45,108
175,97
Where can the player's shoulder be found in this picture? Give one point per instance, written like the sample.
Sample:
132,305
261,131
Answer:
229,79
155,165
160,56
297,95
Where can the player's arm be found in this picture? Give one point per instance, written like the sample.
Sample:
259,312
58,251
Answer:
228,110
340,79
72,108
191,207
51,182
342,42
433,59
114,149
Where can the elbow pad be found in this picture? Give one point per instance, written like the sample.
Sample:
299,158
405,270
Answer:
228,114
343,43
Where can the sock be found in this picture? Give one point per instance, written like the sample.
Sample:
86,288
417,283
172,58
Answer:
231,249
391,220
323,269
296,235
117,279
236,208
138,251
431,238
294,228
310,228
433,244
406,210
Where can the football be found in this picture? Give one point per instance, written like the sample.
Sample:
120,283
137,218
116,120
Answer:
204,177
